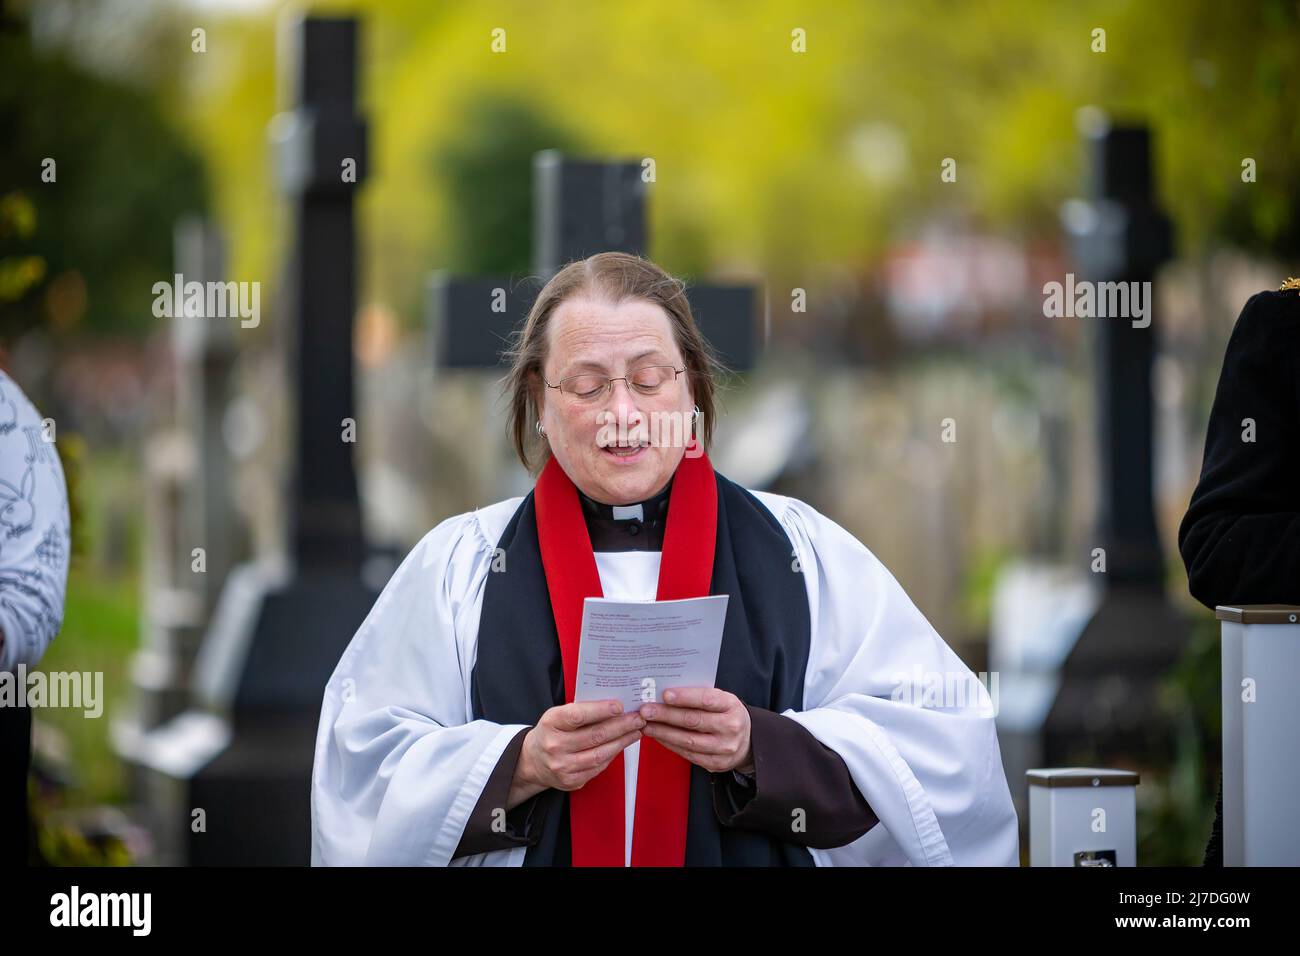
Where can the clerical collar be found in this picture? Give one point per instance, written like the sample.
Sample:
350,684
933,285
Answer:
635,527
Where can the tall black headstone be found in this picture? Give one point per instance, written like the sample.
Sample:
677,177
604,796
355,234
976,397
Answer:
240,761
1107,706
322,163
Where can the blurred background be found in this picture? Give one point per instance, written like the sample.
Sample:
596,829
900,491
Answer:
894,183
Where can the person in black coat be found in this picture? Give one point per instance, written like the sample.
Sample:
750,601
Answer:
1240,538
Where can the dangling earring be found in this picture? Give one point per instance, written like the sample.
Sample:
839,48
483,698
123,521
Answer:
540,433
695,418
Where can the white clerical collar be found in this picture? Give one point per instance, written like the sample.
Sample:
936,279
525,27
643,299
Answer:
651,509
626,512
635,527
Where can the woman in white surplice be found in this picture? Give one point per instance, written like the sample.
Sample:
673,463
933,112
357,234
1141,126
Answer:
831,735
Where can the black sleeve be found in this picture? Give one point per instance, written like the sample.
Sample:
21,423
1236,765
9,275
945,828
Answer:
523,824
793,771
1240,538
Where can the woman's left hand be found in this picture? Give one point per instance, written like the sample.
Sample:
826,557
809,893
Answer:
707,726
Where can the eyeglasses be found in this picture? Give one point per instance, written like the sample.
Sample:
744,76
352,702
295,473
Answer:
648,380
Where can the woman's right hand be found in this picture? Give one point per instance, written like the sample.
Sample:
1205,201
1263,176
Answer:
573,743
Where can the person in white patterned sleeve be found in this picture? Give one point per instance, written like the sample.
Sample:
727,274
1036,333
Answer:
35,541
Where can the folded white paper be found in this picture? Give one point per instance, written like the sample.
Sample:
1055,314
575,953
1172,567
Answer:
633,651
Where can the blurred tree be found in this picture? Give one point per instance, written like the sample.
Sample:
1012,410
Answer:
93,177
18,272
487,176
769,153
785,160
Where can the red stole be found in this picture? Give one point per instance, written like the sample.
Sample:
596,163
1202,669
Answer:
596,811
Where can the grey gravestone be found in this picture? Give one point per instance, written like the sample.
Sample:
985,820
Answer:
189,499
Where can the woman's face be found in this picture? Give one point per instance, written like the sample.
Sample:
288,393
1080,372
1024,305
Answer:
589,336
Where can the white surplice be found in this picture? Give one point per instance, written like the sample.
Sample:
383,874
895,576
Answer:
400,764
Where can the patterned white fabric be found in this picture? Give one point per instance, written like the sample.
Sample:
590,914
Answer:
35,531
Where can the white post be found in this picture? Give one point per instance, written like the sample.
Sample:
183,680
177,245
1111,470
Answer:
1261,721
1082,816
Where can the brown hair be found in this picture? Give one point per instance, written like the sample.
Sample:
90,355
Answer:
614,277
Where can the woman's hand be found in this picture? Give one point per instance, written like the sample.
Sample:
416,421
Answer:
707,726
571,744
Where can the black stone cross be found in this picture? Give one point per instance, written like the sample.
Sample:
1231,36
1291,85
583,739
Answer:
581,207
1122,236
322,162
243,752
1107,708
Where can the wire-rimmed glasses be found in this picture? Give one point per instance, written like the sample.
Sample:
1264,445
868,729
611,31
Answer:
589,386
